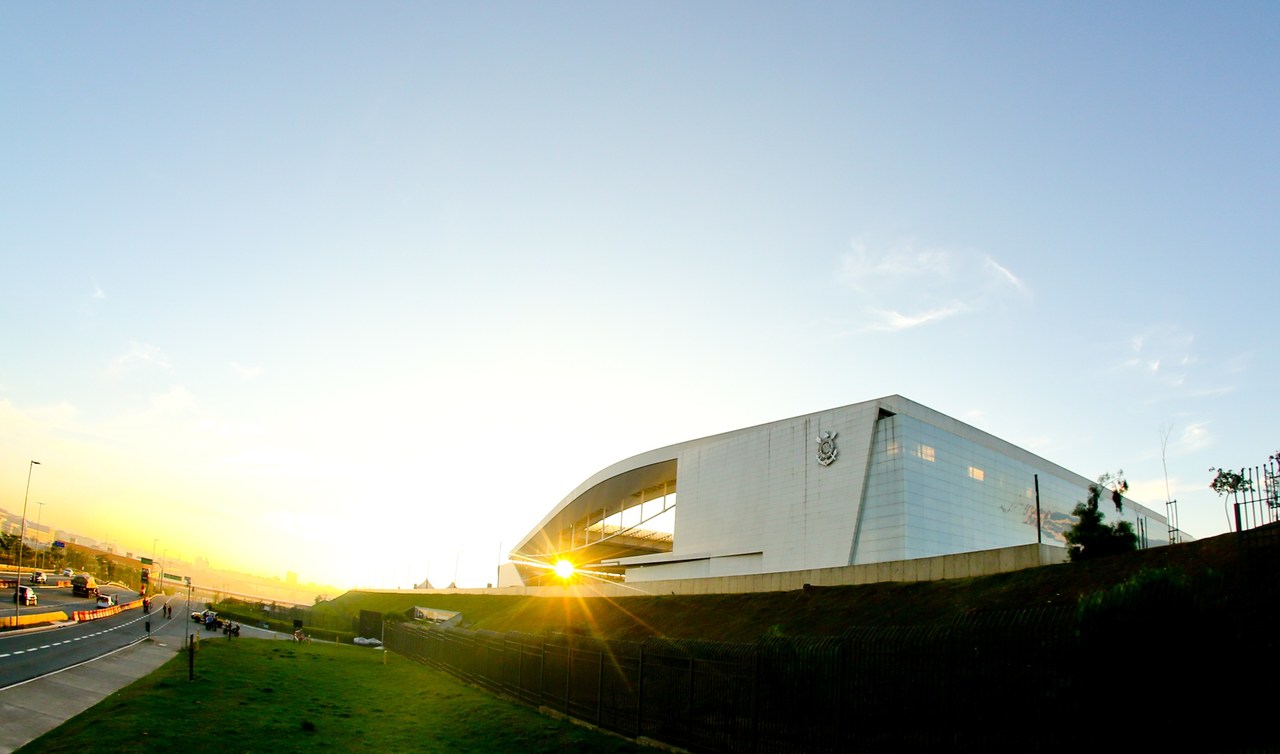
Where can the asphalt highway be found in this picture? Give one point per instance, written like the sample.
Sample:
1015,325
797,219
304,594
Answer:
32,653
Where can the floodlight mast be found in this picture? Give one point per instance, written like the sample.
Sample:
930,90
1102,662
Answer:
17,589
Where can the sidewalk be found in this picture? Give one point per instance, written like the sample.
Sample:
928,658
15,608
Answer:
36,707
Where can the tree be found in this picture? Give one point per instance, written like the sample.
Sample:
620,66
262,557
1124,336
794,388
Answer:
54,557
106,567
1089,537
1227,482
9,545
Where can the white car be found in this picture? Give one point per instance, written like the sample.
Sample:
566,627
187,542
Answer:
106,600
26,596
38,577
68,572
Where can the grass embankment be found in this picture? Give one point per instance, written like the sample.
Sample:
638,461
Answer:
242,613
254,695
825,611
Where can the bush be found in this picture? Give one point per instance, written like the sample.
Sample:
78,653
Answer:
1089,537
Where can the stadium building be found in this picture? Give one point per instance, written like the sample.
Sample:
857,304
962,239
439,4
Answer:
884,481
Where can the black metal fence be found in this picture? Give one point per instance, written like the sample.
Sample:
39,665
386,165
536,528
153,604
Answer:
1256,498
993,682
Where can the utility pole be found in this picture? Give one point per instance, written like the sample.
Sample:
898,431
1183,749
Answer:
17,590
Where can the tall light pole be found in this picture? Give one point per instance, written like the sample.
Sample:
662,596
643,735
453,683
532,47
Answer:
145,587
17,590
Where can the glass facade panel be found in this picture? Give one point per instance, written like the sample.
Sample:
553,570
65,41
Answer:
951,495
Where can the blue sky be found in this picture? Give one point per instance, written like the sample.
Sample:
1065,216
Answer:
362,290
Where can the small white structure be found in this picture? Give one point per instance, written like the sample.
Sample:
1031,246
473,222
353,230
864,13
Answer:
441,617
873,482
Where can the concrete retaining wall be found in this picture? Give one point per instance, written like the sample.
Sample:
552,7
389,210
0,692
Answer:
963,565
32,619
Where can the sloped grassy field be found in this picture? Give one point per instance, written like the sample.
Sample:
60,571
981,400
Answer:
824,611
253,695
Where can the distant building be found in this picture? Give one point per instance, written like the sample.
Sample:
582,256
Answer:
873,482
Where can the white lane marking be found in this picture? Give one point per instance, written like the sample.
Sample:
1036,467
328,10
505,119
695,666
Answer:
68,641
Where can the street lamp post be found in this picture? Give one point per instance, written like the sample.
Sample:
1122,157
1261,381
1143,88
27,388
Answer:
153,560
17,590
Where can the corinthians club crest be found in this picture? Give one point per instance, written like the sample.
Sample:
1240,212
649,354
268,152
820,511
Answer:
827,450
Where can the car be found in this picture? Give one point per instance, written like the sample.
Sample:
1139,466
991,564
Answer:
38,577
106,600
208,618
68,572
25,596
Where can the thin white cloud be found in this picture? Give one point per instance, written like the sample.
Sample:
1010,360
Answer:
861,268
1163,351
175,401
893,321
908,285
98,293
1210,392
1195,436
1009,277
244,372
1149,492
139,354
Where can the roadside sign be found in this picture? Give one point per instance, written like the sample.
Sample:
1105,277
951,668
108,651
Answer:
145,561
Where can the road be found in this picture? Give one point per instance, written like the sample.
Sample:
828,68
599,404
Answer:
52,598
35,652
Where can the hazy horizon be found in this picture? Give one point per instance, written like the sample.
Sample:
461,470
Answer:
361,291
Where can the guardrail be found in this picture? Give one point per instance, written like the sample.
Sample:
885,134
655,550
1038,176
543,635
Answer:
106,612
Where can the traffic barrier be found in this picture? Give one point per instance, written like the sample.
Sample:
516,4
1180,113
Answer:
31,619
106,612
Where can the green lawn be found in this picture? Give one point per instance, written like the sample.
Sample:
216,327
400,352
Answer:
272,696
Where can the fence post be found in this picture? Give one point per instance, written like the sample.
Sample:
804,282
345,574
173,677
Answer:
542,669
640,696
755,698
600,690
689,709
519,669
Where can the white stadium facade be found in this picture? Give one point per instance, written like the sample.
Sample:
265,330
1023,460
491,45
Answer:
879,487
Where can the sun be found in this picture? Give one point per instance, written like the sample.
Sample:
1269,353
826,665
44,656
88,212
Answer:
564,569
